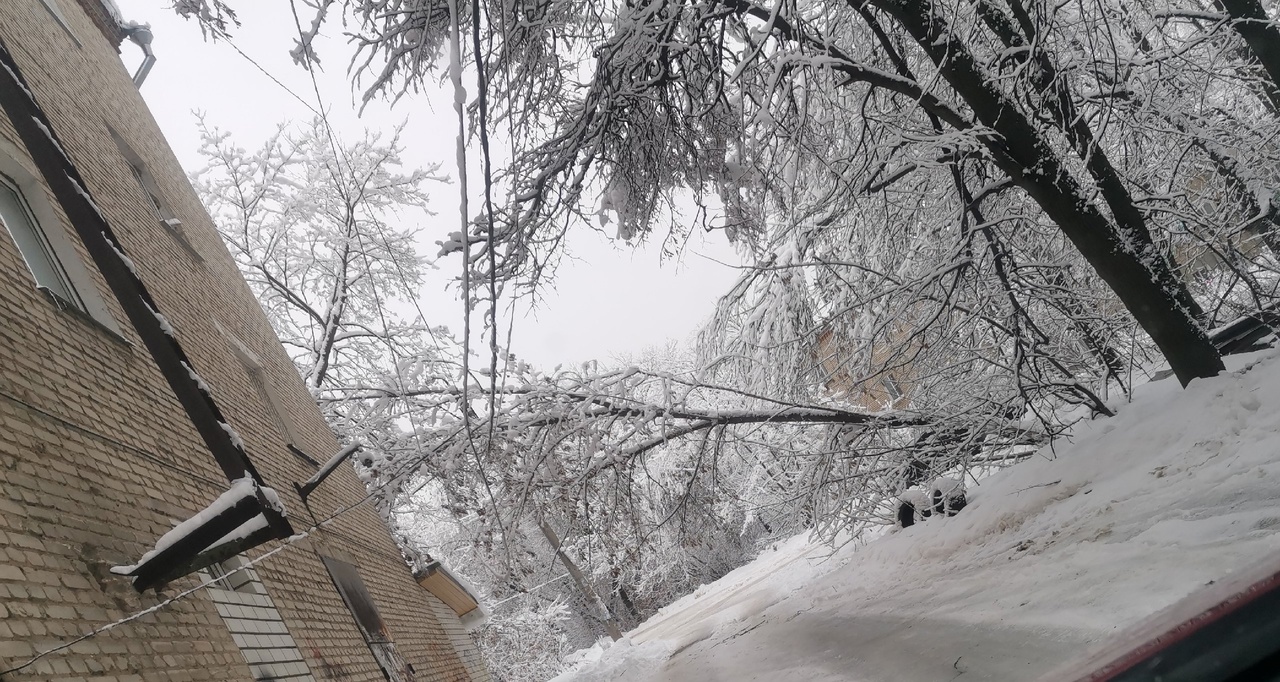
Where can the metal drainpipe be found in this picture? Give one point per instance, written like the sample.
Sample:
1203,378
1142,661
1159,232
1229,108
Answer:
141,36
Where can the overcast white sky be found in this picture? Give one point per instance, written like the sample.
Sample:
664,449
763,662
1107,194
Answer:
608,300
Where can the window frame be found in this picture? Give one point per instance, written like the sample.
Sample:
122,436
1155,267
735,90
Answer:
153,197
262,385
55,11
144,181
53,230
351,587
69,295
891,387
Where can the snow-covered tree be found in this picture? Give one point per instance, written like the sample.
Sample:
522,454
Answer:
734,98
317,232
966,225
321,232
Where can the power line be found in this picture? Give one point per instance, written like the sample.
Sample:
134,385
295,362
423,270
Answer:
151,457
266,73
412,295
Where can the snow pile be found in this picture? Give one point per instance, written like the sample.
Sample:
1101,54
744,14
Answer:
240,489
609,660
1050,558
253,525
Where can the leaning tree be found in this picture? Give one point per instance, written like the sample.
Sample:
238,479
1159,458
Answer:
961,222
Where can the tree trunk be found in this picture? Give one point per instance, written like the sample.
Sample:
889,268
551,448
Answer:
1126,259
1250,20
1265,224
603,613
626,601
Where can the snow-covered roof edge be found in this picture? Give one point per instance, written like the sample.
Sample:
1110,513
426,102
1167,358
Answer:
114,10
106,15
471,618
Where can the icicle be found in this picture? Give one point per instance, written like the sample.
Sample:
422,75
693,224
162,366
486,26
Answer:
459,102
198,379
49,134
128,262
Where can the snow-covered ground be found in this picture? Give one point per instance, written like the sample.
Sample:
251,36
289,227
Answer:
1052,558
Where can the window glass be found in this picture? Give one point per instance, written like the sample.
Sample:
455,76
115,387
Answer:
17,218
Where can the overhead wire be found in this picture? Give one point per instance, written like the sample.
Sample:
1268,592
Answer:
266,73
291,541
340,153
80,428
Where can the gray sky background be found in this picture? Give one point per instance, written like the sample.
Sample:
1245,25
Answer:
608,299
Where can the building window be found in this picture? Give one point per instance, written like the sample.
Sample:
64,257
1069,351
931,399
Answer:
255,623
46,245
20,221
346,577
263,386
891,387
151,191
148,188
56,12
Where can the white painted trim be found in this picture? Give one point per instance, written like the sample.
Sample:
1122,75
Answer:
59,240
266,390
56,12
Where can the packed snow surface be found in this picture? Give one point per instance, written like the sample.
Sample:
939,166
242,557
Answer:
1053,557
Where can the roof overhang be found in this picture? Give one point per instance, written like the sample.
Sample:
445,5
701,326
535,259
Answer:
453,591
107,17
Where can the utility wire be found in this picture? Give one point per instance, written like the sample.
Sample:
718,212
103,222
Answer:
412,295
266,73
292,540
149,456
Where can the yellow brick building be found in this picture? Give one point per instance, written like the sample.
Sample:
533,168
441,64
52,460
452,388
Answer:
138,380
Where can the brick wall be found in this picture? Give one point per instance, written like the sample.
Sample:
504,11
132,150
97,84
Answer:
97,458
460,638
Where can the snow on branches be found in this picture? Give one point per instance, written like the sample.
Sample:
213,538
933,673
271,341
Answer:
310,227
1009,123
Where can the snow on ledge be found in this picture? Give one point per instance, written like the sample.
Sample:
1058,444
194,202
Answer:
240,489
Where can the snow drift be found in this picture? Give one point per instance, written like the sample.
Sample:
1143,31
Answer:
1052,557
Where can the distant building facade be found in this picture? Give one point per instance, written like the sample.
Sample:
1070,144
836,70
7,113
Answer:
882,381
139,383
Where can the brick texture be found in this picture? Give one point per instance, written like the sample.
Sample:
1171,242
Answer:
97,458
